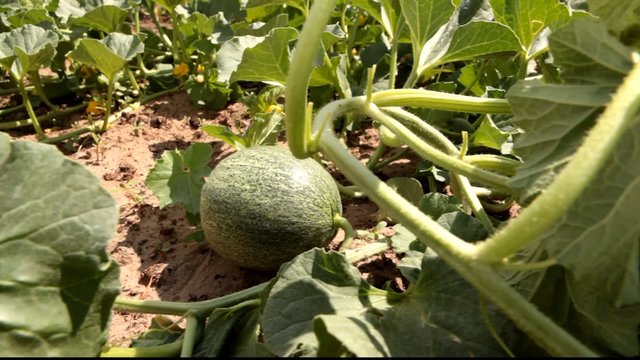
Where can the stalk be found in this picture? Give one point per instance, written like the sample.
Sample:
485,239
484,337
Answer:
43,118
107,113
298,126
27,103
440,101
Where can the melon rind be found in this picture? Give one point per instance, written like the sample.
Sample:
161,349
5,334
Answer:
261,206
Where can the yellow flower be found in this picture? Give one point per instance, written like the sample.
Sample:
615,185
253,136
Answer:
200,69
181,70
200,78
95,107
276,108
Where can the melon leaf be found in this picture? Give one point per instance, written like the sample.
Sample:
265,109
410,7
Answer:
57,282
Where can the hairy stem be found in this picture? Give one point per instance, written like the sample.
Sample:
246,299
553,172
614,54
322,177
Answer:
298,127
559,196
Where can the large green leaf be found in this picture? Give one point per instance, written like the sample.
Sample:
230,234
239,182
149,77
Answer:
27,48
479,38
621,16
57,283
231,332
598,243
178,176
109,55
319,298
268,61
597,240
107,18
424,18
470,41
555,118
528,18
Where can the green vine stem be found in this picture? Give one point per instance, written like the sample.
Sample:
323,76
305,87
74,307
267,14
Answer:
349,234
497,163
456,253
109,105
451,163
559,196
27,103
452,249
190,335
298,126
37,82
375,156
181,308
113,118
440,101
423,129
43,118
391,158
350,191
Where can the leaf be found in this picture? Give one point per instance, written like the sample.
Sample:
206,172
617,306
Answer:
404,240
264,129
178,177
463,225
472,40
597,240
231,332
278,21
106,18
319,291
230,54
38,17
269,60
441,317
27,48
313,283
527,18
489,135
57,283
555,118
225,134
408,188
479,38
424,18
620,16
109,55
437,204
363,339
208,93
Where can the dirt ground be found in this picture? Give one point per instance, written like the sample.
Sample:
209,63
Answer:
156,262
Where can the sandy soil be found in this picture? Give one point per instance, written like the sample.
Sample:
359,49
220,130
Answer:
156,262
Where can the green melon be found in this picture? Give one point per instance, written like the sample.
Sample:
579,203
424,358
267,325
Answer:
261,206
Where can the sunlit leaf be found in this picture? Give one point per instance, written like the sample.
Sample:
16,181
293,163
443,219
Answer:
178,176
26,49
109,55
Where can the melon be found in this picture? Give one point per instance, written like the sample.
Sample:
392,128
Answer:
261,206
